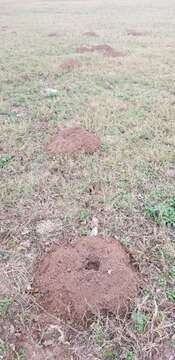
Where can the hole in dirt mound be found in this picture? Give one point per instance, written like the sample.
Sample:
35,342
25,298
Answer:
70,64
92,277
73,140
105,49
92,263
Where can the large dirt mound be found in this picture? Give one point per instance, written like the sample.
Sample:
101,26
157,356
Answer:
94,276
73,140
105,49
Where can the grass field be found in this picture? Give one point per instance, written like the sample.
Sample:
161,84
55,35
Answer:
129,185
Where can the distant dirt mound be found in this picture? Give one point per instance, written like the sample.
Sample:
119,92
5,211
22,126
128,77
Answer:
135,33
90,33
91,277
70,64
105,49
73,140
53,34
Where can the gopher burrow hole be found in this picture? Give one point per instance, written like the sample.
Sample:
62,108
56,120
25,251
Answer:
90,277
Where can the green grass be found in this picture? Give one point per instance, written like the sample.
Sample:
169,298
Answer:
129,103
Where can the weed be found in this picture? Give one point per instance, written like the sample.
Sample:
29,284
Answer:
4,306
162,282
83,215
19,355
129,355
109,355
2,349
4,160
140,321
170,295
163,213
172,272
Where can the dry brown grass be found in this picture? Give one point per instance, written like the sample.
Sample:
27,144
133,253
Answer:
130,103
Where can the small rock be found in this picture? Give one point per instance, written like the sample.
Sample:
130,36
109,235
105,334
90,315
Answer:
44,227
51,92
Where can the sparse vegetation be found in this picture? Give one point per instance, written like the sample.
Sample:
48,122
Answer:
163,213
128,185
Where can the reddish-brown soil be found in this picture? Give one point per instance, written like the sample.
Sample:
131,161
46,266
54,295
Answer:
135,33
92,277
90,33
70,64
105,49
73,140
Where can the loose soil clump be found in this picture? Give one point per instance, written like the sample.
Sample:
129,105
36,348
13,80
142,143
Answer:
90,278
70,64
73,140
105,49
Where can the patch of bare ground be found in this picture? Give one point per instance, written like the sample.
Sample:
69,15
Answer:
73,140
32,351
92,277
90,33
70,64
104,49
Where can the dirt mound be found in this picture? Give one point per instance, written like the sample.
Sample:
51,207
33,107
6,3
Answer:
70,64
135,33
53,34
91,277
105,49
73,140
90,33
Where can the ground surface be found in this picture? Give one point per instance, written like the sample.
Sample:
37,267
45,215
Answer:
126,188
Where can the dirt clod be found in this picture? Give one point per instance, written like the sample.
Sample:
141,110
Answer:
70,64
93,276
105,49
73,140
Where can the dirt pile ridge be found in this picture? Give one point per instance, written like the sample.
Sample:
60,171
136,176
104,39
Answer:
73,140
105,49
90,33
94,276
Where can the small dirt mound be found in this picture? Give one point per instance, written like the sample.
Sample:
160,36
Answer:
53,34
105,49
70,64
73,140
135,33
91,277
90,33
